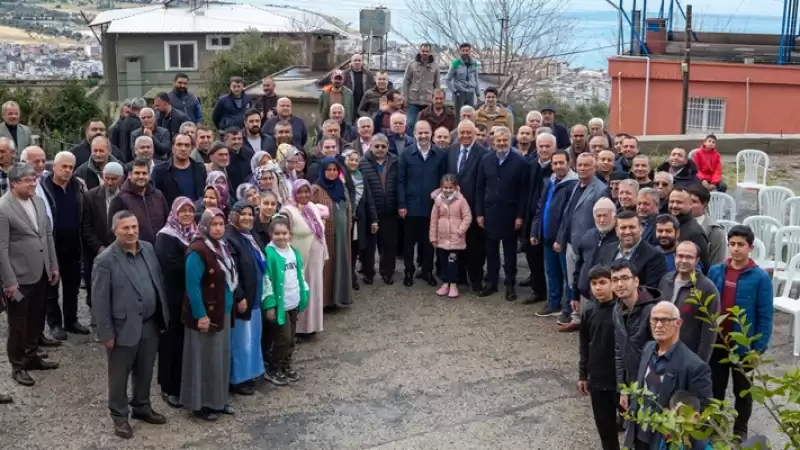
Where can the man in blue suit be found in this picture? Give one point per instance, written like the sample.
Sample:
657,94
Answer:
500,202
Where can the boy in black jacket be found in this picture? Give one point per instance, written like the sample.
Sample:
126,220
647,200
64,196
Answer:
596,369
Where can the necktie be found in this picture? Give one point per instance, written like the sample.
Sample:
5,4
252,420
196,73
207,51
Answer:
462,158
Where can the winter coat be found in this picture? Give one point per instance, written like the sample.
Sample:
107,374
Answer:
371,101
447,119
500,117
697,334
299,130
325,104
648,260
173,121
502,193
690,230
709,165
685,177
382,185
150,209
188,104
420,79
632,332
162,143
126,128
539,177
90,174
554,200
227,114
463,77
83,152
164,180
450,220
596,346
588,255
717,240
417,178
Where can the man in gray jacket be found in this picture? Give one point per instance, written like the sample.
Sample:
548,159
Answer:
419,81
678,286
162,141
129,306
717,237
462,78
28,265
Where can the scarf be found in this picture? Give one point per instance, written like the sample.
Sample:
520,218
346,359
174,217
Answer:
255,161
233,219
335,187
174,228
214,176
219,247
358,183
241,191
307,211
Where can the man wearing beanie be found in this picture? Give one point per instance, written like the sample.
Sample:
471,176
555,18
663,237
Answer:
94,221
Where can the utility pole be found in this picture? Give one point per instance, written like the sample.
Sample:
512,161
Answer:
687,62
502,52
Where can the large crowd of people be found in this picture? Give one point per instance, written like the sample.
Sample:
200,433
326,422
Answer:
214,255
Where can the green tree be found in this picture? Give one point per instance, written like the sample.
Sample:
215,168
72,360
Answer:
566,114
252,57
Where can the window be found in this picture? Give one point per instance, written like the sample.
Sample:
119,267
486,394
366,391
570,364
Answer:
180,55
219,41
705,115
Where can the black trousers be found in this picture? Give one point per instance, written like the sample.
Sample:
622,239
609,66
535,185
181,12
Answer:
386,242
365,254
474,257
282,340
604,408
720,373
88,262
25,323
170,357
400,246
416,235
447,262
69,264
509,260
534,255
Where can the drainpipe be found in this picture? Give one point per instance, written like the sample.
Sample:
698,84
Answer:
619,102
646,91
747,103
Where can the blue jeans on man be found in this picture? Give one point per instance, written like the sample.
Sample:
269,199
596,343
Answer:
411,117
555,266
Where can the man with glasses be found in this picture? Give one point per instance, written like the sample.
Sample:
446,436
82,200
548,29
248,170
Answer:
666,356
631,320
663,183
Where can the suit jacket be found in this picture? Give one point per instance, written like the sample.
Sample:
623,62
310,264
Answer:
25,252
581,218
502,193
23,136
116,298
95,225
468,177
685,371
648,260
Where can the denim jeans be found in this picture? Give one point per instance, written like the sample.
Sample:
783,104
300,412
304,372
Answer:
555,267
411,118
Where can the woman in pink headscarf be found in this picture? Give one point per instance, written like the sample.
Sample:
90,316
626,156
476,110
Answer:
308,236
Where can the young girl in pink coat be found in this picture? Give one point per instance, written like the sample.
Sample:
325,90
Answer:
450,219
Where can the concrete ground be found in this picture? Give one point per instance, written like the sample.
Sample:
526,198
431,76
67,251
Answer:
401,369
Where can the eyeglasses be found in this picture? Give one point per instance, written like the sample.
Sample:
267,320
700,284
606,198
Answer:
380,146
622,279
661,183
662,320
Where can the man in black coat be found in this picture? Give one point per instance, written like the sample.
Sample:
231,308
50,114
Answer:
83,151
649,261
502,196
180,176
127,126
680,206
464,159
559,131
168,118
540,172
379,169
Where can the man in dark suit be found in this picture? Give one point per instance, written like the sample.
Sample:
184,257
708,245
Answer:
28,265
96,233
649,261
667,366
130,310
169,118
463,159
500,202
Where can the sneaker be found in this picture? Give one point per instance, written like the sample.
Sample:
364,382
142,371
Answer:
453,291
444,290
547,311
291,375
276,377
564,318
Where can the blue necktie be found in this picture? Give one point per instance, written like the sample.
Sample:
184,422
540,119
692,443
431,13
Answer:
462,158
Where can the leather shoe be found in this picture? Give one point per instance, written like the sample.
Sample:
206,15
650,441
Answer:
23,377
77,328
5,399
526,282
243,389
368,280
511,294
123,429
487,291
45,341
533,298
477,287
568,327
430,279
150,417
388,280
58,333
408,280
43,365
41,354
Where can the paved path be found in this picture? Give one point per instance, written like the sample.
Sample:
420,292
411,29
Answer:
402,369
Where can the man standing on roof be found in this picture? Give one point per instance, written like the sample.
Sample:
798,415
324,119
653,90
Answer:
462,78
358,79
559,131
336,94
419,81
230,108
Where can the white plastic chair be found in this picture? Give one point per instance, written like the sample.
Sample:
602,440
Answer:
691,153
791,211
722,206
791,305
787,245
764,229
755,165
728,224
770,201
759,251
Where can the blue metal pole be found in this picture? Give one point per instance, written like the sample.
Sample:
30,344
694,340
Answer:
784,23
621,37
792,33
680,8
635,35
669,19
633,28
644,21
661,10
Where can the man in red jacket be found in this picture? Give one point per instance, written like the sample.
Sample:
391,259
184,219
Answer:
709,165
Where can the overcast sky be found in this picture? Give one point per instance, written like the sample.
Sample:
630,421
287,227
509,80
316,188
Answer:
736,7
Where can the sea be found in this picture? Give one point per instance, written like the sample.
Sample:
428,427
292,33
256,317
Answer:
596,31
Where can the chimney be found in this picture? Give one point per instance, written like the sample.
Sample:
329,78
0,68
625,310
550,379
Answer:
323,51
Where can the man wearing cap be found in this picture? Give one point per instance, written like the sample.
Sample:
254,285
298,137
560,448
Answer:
558,130
94,220
337,92
358,79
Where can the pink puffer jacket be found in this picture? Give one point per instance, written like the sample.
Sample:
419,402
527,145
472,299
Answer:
449,221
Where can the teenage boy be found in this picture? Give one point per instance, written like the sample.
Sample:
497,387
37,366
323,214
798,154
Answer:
596,369
743,284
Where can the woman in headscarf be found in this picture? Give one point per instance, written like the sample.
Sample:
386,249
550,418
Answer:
365,219
259,159
294,166
267,208
275,180
211,198
329,191
248,193
220,181
217,178
211,279
308,236
247,361
170,246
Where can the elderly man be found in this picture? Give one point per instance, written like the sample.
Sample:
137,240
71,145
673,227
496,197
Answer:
337,93
371,101
161,137
130,308
65,195
628,193
169,118
28,265
138,196
203,141
127,126
500,203
587,250
467,113
331,128
189,128
36,158
680,206
181,176
597,129
392,105
365,132
143,149
284,114
398,136
83,151
597,144
7,151
534,120
579,144
94,221
11,128
647,210
663,183
347,132
666,366
91,172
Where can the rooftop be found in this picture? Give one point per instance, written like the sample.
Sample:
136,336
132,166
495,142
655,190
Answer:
213,18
